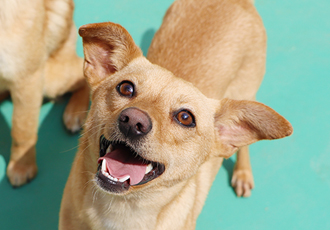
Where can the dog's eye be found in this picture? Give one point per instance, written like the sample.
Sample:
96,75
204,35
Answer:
126,89
185,118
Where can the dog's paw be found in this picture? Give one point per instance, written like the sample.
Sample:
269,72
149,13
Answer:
76,110
73,119
20,173
242,182
74,115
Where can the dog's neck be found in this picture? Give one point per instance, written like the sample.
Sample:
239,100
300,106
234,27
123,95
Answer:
142,209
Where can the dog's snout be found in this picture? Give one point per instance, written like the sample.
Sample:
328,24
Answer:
134,123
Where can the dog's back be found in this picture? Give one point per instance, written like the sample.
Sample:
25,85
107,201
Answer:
219,46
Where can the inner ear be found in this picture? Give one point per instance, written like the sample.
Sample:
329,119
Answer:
108,48
98,57
240,123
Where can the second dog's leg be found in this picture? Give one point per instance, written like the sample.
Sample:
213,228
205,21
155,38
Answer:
242,179
27,99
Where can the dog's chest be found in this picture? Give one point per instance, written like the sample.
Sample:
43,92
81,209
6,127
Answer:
7,65
116,221
13,53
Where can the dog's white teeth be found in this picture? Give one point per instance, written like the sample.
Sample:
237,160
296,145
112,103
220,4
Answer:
105,173
149,168
104,166
110,177
124,178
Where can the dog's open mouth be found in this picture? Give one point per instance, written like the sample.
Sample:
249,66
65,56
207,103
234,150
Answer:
121,167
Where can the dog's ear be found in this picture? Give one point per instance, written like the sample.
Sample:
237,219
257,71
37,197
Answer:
108,48
240,123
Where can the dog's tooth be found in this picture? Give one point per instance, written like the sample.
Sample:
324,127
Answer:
124,178
149,168
104,165
109,176
112,178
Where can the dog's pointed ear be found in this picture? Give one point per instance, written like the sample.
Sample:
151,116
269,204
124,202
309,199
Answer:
108,48
240,123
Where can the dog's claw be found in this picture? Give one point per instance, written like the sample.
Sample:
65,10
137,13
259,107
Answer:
20,173
242,182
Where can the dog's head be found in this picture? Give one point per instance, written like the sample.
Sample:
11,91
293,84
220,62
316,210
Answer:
147,127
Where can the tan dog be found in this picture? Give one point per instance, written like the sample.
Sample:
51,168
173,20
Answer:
38,58
153,143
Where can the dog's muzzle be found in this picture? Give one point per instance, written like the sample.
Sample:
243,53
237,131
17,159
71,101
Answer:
120,166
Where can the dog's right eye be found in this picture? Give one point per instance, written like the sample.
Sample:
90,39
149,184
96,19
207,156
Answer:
185,118
126,89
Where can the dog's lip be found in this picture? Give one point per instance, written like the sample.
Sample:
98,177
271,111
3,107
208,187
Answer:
121,181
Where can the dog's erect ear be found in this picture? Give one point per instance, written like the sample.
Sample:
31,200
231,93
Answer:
240,123
108,48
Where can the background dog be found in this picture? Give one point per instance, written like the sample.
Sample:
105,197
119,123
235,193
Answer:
38,58
156,141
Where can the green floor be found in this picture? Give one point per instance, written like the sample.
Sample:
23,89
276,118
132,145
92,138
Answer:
292,175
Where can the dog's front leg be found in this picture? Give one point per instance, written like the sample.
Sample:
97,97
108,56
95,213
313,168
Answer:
75,112
242,179
27,97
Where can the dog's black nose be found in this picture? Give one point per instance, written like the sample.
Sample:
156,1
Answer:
134,123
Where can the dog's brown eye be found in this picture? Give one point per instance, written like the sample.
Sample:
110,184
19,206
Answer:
126,89
185,118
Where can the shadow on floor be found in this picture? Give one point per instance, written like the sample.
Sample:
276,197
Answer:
5,143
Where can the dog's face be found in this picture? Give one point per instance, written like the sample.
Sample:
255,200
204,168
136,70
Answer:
149,128
152,128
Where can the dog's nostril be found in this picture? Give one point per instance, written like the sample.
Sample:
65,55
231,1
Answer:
139,127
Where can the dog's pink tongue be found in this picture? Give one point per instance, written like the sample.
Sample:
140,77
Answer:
121,162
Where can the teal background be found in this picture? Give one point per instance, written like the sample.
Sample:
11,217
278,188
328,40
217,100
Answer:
292,175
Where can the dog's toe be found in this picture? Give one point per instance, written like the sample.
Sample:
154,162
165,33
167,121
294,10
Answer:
242,182
21,173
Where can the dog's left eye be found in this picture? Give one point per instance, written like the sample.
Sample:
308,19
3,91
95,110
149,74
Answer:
185,118
126,89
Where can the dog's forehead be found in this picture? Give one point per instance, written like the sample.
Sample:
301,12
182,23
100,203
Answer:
154,81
